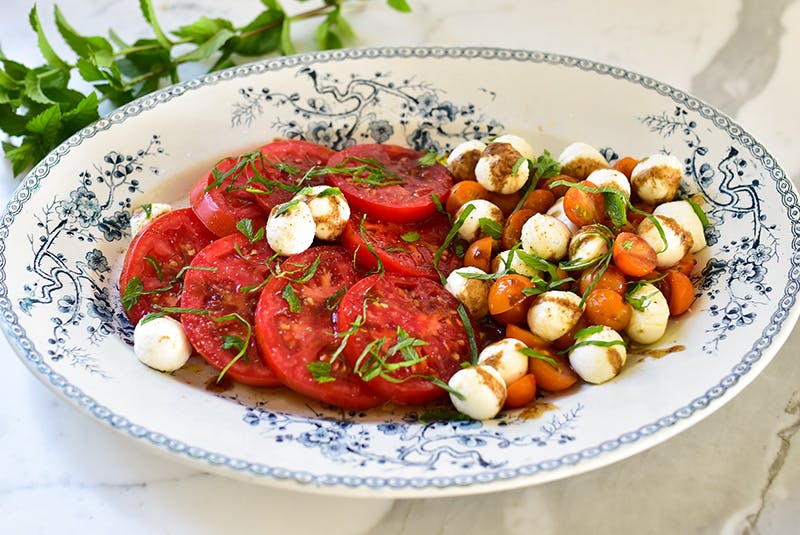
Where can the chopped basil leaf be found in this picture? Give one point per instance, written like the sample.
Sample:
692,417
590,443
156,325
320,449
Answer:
291,298
320,371
491,228
410,236
532,353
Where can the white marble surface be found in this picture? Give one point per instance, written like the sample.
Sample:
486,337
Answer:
738,471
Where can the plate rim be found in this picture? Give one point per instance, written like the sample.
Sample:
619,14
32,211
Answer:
751,364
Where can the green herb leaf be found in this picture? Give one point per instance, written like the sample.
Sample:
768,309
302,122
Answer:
616,207
291,299
701,215
44,45
471,336
149,13
491,228
399,5
233,342
410,237
532,353
320,371
245,226
428,159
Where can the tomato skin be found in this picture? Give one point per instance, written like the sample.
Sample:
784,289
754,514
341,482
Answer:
463,192
678,289
396,254
521,392
609,308
171,241
479,254
426,311
548,377
221,207
290,340
633,255
625,165
507,202
412,200
507,303
582,207
218,291
611,279
512,229
539,200
557,191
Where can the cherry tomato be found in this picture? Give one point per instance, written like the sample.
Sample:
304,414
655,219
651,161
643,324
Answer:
521,392
610,279
539,200
686,265
525,336
678,290
393,185
507,302
479,254
463,192
607,307
625,165
548,377
230,285
583,207
633,255
292,340
557,191
507,202
512,230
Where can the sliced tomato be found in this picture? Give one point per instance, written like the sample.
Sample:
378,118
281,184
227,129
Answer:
389,182
155,258
426,312
227,281
407,248
286,163
220,198
294,342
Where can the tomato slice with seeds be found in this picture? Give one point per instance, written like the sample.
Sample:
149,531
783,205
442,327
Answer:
426,312
407,248
155,257
287,162
292,340
228,281
389,183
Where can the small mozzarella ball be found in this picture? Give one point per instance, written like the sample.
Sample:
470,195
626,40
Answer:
679,241
545,236
498,169
557,211
684,214
589,243
483,390
656,179
648,324
517,265
521,146
461,162
329,210
146,213
579,160
290,228
471,229
161,343
554,313
506,357
611,178
473,293
595,363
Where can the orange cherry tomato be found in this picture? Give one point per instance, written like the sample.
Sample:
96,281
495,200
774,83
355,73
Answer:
463,192
633,217
479,254
512,230
539,200
557,191
611,279
568,339
507,303
507,202
679,291
607,307
521,392
633,255
583,207
526,337
549,377
686,264
625,165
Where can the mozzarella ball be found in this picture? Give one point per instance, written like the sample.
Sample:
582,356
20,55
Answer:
611,178
519,143
557,211
473,293
330,211
589,243
291,228
554,313
545,236
595,363
471,229
516,264
498,169
461,162
684,214
650,314
142,216
656,179
579,160
679,241
483,390
506,357
161,343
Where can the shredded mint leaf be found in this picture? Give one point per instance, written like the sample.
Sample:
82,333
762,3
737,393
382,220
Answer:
429,159
320,371
410,237
291,299
399,5
491,228
701,215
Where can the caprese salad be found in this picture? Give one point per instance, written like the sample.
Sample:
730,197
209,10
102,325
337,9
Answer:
382,274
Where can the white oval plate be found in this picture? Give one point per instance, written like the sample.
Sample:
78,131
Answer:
65,231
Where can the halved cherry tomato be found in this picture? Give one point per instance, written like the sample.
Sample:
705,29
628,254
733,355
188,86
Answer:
625,165
610,279
583,207
607,307
633,255
463,192
293,340
548,377
525,336
521,392
229,283
569,338
557,191
479,254
539,200
155,257
507,202
512,230
679,291
393,306
394,185
686,264
507,302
